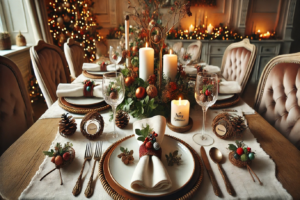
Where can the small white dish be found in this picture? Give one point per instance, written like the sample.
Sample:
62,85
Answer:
180,175
83,101
110,68
225,96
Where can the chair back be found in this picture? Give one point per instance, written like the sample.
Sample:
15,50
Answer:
15,107
50,68
75,57
238,61
277,97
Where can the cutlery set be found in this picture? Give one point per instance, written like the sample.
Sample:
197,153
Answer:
216,156
87,157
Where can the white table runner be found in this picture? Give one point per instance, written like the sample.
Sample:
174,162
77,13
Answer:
263,166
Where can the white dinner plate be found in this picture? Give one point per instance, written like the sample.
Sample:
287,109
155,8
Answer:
110,68
180,175
225,96
84,101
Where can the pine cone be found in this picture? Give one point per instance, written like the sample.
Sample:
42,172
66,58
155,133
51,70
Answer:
122,119
67,125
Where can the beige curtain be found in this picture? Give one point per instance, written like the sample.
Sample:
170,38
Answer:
39,19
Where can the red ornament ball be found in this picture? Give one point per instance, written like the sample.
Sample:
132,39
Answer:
140,92
66,156
207,93
240,151
129,80
248,149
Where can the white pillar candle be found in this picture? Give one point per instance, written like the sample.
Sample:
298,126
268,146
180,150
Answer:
180,112
209,29
191,28
127,38
146,62
170,65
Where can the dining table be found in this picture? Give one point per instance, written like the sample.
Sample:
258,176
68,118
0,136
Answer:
20,162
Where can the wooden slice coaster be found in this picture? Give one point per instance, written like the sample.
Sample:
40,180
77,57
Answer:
227,102
181,129
81,109
116,192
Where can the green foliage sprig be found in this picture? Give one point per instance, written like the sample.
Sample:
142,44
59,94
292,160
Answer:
143,133
58,149
173,158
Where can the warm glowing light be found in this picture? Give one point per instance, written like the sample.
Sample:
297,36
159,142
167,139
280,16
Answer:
171,52
258,31
146,44
179,100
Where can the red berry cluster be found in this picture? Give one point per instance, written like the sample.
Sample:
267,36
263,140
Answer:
150,139
88,83
181,71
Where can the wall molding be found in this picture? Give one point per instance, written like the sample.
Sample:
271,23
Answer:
242,17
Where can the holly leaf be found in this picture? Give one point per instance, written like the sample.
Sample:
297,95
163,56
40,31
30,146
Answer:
175,153
141,139
238,143
232,147
138,132
122,149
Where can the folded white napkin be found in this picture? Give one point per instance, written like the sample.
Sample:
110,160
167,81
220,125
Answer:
91,67
191,70
229,87
76,90
150,173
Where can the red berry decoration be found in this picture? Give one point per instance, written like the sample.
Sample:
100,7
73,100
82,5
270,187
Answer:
248,149
149,145
66,156
58,160
53,159
240,151
207,93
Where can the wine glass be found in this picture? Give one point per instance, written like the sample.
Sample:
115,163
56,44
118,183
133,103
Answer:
113,90
184,57
115,55
206,95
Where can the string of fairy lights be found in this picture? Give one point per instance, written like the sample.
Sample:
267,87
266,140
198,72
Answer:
74,19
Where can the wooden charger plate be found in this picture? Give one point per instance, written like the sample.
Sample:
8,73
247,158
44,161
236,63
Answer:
82,109
227,102
88,75
117,192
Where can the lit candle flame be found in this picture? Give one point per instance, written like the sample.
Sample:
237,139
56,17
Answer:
171,52
146,44
258,31
179,100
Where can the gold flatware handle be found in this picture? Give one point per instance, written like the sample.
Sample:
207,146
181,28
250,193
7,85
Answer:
228,185
214,183
89,189
77,188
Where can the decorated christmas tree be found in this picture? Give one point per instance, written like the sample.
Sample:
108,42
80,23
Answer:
74,19
35,93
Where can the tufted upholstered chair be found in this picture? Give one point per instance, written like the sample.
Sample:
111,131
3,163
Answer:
238,61
75,57
50,68
277,97
15,108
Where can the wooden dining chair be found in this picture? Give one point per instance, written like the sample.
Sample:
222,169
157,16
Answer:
50,68
75,57
277,97
15,108
238,61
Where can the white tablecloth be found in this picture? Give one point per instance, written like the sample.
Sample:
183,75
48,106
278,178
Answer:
245,188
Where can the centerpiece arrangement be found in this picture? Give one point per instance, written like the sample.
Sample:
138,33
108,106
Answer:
149,89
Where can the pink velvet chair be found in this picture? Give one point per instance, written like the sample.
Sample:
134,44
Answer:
75,57
50,68
15,108
238,61
277,97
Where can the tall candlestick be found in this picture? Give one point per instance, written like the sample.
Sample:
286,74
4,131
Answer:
209,29
127,38
146,62
180,112
170,65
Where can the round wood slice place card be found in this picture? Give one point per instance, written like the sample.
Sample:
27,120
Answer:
180,129
92,125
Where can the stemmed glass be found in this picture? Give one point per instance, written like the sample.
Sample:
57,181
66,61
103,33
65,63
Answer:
206,95
184,57
113,90
115,55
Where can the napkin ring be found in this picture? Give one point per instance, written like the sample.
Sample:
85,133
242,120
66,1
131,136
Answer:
88,88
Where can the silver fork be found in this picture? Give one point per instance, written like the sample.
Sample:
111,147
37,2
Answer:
87,156
97,156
